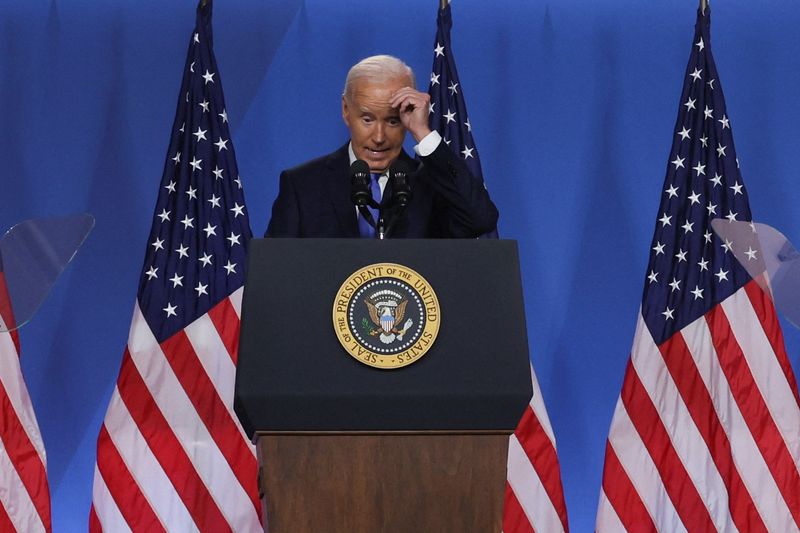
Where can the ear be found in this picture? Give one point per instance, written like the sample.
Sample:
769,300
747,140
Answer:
345,112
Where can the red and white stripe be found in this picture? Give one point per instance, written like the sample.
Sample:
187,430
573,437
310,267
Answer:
171,455
24,492
706,432
534,499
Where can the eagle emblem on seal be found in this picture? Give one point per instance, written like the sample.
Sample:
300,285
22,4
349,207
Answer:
386,310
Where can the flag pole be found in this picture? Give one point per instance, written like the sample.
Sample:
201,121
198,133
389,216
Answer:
703,5
443,4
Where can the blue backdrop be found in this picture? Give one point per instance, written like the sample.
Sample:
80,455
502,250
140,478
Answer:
572,104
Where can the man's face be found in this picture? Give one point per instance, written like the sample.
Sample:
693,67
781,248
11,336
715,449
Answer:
375,128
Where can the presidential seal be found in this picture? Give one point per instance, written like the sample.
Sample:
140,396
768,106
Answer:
386,315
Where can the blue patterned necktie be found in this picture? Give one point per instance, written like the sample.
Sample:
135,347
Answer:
364,229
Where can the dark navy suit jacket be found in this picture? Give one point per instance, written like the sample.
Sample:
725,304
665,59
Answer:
447,201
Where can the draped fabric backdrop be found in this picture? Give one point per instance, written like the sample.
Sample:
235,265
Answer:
572,104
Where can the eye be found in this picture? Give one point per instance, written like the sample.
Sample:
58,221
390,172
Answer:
367,120
394,121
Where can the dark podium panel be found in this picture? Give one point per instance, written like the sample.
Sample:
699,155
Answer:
293,375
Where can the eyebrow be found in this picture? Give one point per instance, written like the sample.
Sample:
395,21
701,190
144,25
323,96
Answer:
364,111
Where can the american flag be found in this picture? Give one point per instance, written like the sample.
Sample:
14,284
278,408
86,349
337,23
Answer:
24,491
534,496
171,455
448,112
706,432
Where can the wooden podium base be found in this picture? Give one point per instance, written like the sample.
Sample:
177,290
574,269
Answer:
383,482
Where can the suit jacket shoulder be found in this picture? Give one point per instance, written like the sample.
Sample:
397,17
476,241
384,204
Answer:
314,200
316,168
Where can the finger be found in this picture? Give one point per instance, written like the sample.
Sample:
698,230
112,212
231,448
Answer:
405,93
399,100
410,96
406,90
409,103
405,104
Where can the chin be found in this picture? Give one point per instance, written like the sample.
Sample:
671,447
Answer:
378,165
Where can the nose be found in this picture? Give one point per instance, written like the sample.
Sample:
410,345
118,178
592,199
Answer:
379,134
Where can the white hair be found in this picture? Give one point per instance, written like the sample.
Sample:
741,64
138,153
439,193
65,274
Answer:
379,69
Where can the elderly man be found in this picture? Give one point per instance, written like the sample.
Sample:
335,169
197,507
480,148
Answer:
379,105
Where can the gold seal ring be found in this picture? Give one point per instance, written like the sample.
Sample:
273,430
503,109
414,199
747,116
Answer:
386,315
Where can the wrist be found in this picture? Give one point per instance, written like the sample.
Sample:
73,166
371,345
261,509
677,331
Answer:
420,133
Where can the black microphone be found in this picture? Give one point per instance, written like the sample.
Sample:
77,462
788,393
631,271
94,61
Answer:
360,192
399,173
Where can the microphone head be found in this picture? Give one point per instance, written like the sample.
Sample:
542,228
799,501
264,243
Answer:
360,192
399,172
359,166
400,167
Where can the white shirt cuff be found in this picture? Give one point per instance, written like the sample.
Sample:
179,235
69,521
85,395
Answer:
428,144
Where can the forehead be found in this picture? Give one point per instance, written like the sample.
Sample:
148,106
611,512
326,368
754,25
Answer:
372,95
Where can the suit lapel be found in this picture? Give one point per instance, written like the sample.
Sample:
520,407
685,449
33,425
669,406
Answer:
338,185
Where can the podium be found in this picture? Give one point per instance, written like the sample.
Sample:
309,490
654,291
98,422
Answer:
344,446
